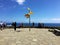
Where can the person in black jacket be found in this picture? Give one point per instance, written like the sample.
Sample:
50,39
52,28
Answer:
40,25
14,25
33,24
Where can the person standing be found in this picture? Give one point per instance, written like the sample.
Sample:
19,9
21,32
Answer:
1,25
33,24
39,25
14,25
4,25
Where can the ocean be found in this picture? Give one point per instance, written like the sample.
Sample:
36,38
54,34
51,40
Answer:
36,24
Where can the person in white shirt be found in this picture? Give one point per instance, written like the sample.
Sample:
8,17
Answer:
1,25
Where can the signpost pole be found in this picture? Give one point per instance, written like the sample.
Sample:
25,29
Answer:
29,23
28,16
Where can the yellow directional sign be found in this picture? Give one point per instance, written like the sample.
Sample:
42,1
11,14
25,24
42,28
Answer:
28,8
30,12
27,15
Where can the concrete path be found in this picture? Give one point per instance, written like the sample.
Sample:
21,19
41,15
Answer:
23,37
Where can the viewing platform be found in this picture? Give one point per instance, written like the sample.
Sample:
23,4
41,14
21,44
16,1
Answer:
22,36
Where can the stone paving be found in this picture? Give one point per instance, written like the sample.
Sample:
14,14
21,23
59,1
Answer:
25,37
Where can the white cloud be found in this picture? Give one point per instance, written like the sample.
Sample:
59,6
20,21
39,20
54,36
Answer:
53,19
56,19
20,2
50,20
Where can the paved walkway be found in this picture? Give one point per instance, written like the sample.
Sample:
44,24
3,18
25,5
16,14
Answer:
23,37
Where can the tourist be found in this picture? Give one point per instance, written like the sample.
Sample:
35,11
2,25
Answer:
1,25
33,24
14,25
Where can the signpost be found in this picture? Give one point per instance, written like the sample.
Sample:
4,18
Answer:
28,16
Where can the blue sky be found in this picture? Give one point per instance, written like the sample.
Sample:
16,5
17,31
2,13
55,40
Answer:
45,11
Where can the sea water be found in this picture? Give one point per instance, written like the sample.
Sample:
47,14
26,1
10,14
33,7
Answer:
36,24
